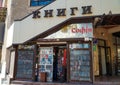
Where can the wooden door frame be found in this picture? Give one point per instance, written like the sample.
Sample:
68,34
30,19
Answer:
100,65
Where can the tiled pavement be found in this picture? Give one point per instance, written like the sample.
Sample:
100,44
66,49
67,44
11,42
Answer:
40,83
98,81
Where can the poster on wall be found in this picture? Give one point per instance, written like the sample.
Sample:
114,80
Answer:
46,61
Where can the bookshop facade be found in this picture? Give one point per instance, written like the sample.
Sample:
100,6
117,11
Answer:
58,59
57,43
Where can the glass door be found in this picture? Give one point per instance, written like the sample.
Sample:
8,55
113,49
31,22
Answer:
117,70
105,67
102,61
108,61
118,61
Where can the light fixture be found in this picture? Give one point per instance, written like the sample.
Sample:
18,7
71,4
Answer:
102,33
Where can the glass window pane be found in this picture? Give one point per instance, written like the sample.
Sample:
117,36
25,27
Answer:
34,3
118,40
118,51
40,2
83,45
101,42
80,65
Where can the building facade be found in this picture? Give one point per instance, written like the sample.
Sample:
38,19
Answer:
2,26
62,40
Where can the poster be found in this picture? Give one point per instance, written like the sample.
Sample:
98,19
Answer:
46,61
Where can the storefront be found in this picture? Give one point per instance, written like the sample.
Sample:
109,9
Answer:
63,43
2,26
59,59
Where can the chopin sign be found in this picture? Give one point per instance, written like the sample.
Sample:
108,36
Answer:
81,30
62,12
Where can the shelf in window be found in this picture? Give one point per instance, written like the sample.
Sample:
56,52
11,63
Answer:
80,49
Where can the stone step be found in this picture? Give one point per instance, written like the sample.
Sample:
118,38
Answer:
46,83
106,83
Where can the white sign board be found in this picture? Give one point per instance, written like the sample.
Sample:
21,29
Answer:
82,30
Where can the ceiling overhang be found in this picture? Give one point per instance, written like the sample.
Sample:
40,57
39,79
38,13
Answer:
30,28
107,21
110,22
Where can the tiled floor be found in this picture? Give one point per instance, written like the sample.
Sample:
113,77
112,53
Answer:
108,79
105,80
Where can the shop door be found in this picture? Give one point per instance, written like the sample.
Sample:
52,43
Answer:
108,61
102,59
118,61
105,61
59,64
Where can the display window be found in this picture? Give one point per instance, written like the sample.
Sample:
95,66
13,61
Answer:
56,63
80,62
25,63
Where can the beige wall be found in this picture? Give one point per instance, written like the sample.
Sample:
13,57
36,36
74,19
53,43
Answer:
18,9
29,28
